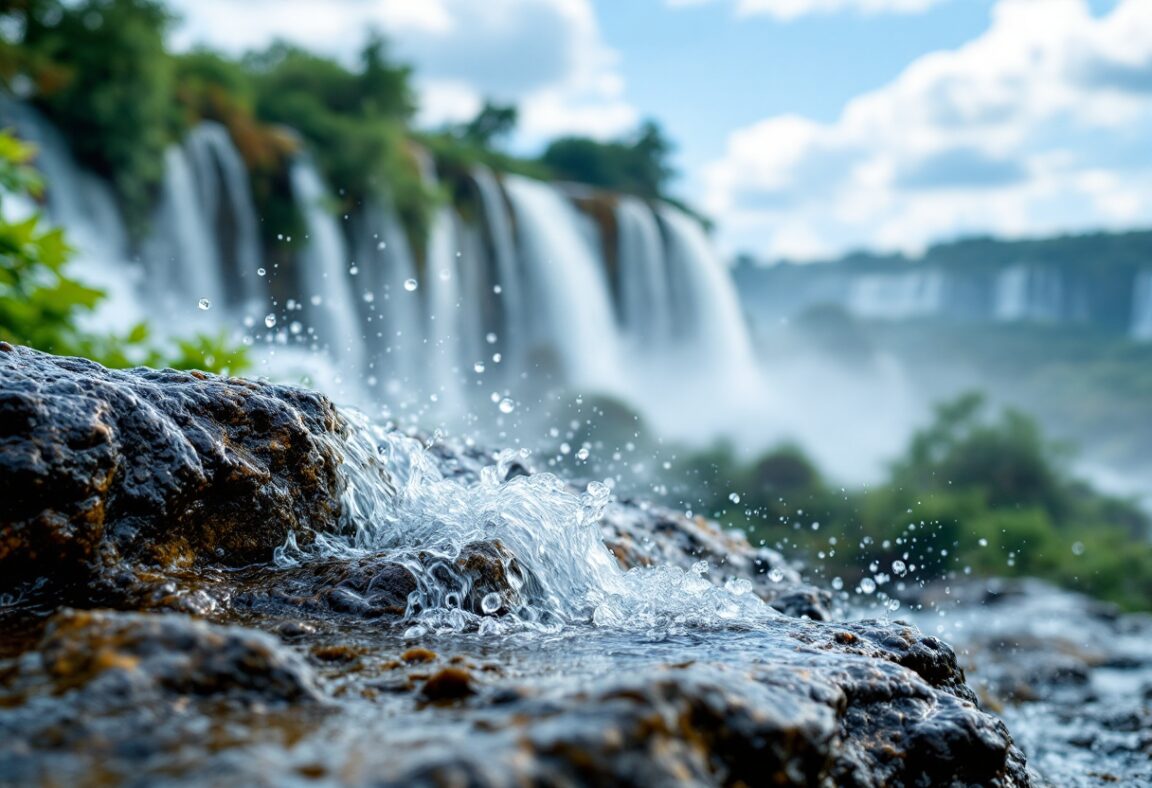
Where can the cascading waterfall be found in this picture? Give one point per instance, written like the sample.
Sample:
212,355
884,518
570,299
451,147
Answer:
83,204
445,327
1142,307
182,247
514,329
323,271
1026,294
392,315
225,193
506,301
642,277
704,292
568,286
897,296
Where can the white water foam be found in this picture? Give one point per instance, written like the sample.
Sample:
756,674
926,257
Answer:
397,503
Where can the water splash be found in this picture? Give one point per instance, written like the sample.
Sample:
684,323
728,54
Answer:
542,535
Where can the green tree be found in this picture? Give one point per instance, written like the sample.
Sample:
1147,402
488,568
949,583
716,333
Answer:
492,124
637,164
114,105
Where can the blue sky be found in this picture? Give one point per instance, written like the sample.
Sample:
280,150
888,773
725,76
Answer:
804,127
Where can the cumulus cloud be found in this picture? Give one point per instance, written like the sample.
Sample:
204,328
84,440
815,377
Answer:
1038,125
547,56
787,10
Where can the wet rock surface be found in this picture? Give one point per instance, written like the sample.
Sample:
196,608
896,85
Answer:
104,471
1072,676
228,662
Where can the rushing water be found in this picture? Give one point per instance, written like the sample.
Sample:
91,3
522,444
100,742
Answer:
397,501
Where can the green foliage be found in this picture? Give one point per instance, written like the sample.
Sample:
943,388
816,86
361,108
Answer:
114,104
637,164
355,122
494,122
41,306
974,492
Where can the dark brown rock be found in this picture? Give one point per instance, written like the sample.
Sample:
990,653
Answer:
99,467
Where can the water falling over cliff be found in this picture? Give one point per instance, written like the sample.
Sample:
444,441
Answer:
527,293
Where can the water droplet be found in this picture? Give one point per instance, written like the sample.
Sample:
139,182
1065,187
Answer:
204,304
490,603
868,586
491,338
582,454
270,320
1077,548
354,270
899,567
775,575
507,405
260,272
497,289
734,498
478,366
316,300
381,245
410,285
983,542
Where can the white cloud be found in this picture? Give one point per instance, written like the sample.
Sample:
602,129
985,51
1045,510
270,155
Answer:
787,10
548,56
1038,125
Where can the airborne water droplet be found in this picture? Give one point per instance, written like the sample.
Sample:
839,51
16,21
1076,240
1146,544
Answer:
410,285
270,320
260,272
734,498
490,603
478,366
507,405
205,304
582,455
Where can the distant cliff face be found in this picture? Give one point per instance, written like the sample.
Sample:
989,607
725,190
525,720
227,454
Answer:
1101,281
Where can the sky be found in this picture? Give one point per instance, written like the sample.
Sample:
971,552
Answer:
804,128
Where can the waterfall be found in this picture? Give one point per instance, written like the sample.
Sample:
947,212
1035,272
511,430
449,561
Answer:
642,277
706,295
323,272
1142,307
226,197
442,283
1028,294
513,332
898,296
83,204
512,296
567,286
392,315
474,322
182,248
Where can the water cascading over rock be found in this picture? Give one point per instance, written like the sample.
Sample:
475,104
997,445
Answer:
526,292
